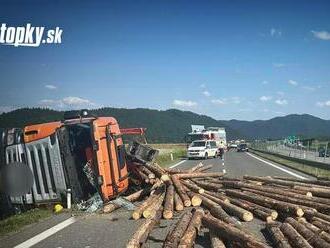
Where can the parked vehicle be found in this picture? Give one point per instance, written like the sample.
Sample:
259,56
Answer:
323,154
242,147
202,149
217,134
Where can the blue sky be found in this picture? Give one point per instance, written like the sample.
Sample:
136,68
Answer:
228,59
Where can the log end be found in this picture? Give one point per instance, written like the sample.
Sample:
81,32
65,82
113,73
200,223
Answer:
274,215
299,212
187,203
247,216
168,214
136,215
179,207
196,201
165,178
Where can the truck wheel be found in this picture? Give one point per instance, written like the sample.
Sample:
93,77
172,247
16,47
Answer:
206,155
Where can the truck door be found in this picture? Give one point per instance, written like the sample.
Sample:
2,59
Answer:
110,153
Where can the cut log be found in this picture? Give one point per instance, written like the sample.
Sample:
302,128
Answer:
150,211
231,233
196,201
322,224
196,167
317,182
267,202
173,238
322,192
318,206
199,175
189,235
208,186
312,239
146,171
137,213
169,203
217,211
217,195
141,234
180,190
277,237
295,239
309,214
178,202
143,176
324,235
204,168
273,213
214,198
193,187
216,242
132,197
268,216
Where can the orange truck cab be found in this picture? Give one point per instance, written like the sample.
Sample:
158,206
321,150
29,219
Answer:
83,153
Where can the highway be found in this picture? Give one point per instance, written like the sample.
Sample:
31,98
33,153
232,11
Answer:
113,230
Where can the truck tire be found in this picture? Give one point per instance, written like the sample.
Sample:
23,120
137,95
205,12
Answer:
206,156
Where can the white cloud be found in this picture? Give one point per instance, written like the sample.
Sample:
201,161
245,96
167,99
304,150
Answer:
281,102
236,100
219,101
67,102
279,65
265,98
292,82
322,35
309,88
275,32
206,93
183,103
74,101
50,87
264,82
323,104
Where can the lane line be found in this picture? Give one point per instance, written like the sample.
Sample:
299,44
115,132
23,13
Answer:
277,167
45,234
175,165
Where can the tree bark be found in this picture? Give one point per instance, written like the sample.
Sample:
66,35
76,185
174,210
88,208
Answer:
180,190
267,202
208,186
178,202
173,238
189,235
312,239
309,214
204,168
295,239
199,175
216,242
137,213
231,233
324,235
141,234
192,186
169,203
278,238
322,224
150,211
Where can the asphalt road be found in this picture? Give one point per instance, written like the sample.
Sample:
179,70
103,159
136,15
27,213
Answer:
114,230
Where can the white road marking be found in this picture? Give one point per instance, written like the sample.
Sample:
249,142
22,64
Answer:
276,166
175,165
49,232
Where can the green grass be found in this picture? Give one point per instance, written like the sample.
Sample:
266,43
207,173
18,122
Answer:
15,222
164,159
314,171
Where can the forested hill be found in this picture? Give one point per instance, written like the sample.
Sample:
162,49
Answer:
162,126
172,125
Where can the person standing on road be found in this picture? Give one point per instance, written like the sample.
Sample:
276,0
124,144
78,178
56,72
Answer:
221,149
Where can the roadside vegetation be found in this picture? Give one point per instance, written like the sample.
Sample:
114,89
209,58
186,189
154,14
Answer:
308,169
164,159
15,222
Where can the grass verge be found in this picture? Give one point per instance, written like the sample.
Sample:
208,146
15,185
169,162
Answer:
15,222
164,159
314,171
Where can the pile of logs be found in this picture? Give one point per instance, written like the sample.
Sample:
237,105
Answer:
295,212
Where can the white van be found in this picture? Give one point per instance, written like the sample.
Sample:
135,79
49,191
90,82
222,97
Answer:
202,149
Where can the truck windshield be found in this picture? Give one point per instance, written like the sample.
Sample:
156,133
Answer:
198,144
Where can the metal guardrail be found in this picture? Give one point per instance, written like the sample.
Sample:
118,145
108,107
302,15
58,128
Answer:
308,152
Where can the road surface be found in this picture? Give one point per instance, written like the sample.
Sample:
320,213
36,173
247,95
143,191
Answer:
114,230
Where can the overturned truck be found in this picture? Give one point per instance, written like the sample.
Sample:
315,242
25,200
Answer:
83,153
